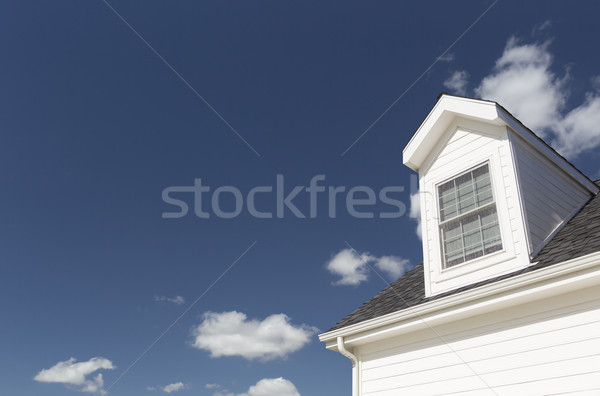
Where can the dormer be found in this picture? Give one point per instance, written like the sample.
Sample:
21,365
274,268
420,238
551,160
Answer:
492,193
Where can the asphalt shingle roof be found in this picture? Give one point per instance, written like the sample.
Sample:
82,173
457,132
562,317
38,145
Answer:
579,237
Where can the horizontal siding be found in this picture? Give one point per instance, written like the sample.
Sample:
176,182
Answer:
524,351
548,197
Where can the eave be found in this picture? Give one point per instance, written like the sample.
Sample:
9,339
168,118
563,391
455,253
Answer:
557,279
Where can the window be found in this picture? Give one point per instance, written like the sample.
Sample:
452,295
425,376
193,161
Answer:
468,219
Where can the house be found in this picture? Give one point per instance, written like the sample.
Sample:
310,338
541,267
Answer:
507,299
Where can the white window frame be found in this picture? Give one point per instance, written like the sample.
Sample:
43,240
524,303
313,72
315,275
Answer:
488,205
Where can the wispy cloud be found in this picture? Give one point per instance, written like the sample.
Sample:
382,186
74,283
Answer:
353,268
522,81
233,334
177,300
75,374
174,387
267,387
457,82
447,57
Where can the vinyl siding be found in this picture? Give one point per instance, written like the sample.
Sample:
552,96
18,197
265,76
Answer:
549,196
546,347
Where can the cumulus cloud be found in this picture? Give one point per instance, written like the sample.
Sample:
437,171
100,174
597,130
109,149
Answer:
267,387
393,266
457,82
177,386
232,334
522,81
177,300
579,130
350,267
75,375
353,268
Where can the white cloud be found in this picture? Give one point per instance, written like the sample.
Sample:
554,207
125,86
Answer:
177,300
75,375
177,386
541,28
394,266
267,387
232,334
579,130
415,212
457,82
523,82
354,269
351,268
447,57
212,386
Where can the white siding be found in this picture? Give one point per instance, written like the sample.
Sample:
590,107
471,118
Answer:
549,196
546,347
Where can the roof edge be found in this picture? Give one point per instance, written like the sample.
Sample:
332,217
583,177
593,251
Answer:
506,287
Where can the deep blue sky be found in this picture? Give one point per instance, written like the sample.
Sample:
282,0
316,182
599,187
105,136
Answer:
93,127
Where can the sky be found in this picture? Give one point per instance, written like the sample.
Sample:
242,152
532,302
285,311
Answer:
193,191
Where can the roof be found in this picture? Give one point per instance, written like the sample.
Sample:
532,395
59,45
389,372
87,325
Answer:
579,237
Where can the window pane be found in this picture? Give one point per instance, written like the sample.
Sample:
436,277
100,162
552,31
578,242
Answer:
453,247
483,185
491,231
472,237
447,194
465,193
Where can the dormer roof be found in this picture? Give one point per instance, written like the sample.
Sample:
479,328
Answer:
450,107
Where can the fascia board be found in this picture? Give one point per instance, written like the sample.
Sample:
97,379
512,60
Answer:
578,272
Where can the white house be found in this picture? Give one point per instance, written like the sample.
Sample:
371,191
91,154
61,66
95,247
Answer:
507,299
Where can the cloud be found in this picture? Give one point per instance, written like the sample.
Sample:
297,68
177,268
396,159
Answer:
351,268
177,300
447,57
579,130
212,386
177,386
232,334
415,212
354,269
541,28
75,375
523,82
457,82
393,266
267,387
